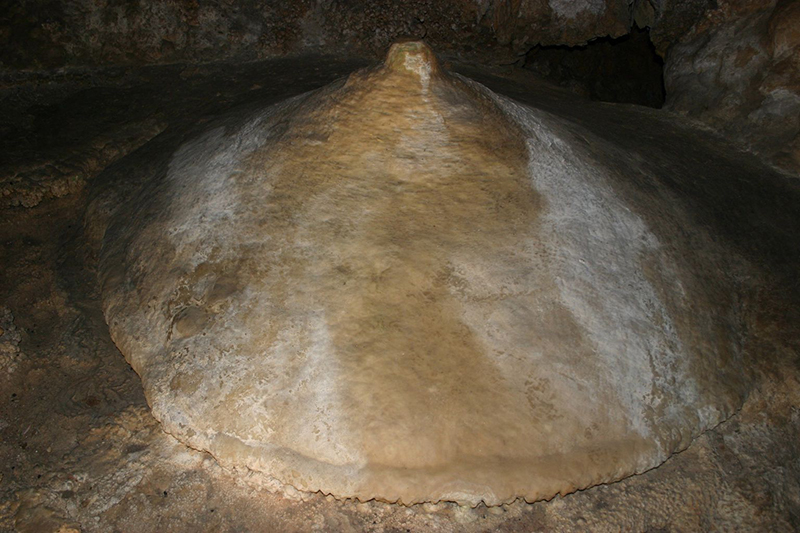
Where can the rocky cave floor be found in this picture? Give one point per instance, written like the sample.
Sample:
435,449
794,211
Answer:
79,450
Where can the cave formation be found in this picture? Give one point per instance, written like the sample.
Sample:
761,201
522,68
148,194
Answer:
400,266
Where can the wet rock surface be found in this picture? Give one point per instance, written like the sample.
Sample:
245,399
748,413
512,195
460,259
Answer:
80,451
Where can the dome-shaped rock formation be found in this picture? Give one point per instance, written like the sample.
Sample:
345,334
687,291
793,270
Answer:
405,287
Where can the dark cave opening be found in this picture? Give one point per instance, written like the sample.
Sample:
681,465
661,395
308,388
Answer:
624,70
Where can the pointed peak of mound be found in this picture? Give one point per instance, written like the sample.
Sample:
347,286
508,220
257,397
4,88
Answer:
412,57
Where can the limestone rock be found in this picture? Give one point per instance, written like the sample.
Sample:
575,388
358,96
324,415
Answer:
405,287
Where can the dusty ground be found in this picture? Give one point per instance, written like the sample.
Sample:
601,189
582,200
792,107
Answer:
79,450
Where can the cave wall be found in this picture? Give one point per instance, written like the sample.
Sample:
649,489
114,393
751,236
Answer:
53,33
733,64
738,70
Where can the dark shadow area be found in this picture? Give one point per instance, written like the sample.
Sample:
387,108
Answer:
625,70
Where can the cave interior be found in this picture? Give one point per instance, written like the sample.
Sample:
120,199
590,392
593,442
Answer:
698,98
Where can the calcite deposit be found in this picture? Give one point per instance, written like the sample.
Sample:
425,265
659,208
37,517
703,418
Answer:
407,288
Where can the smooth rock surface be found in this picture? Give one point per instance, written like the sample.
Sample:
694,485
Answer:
405,287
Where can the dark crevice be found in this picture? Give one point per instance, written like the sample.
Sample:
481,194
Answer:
624,70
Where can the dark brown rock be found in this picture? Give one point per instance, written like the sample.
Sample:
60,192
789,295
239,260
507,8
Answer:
739,71
100,32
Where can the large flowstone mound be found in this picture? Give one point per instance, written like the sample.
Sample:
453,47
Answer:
405,287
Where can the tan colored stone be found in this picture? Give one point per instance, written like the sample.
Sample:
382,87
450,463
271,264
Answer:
404,287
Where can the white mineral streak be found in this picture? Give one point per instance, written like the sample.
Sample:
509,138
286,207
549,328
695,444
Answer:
203,172
417,64
599,245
